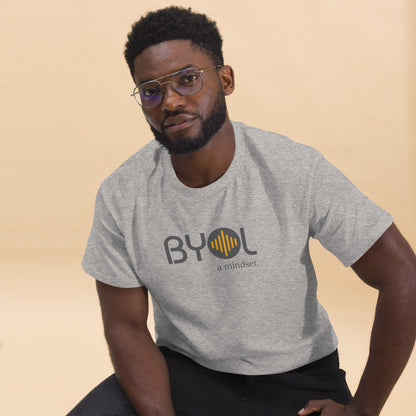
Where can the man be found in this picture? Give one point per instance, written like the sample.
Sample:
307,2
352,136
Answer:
214,218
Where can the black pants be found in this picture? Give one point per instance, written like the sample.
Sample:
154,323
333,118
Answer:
199,391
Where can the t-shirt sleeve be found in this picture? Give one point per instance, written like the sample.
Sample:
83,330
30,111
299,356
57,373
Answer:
106,257
341,217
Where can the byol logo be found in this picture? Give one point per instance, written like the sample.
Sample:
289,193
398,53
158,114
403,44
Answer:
223,243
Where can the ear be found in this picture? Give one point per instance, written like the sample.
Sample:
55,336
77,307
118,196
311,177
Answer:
226,74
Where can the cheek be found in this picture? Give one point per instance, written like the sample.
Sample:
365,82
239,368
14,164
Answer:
151,119
207,102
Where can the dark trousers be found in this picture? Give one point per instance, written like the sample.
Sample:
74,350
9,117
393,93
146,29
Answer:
199,391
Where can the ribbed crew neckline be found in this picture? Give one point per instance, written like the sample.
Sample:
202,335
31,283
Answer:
173,181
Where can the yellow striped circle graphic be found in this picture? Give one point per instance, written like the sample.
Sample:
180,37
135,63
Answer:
224,243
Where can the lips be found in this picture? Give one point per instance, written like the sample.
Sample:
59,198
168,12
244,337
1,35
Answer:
179,122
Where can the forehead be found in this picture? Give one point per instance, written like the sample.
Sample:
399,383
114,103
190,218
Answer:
167,57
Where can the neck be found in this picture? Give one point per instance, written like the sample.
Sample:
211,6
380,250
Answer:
206,165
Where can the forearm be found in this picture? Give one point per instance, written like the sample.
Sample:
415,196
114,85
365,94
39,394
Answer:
392,340
142,371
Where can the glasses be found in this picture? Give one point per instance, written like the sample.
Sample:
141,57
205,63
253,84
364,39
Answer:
185,82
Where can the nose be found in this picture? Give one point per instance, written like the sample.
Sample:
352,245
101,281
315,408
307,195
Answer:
171,100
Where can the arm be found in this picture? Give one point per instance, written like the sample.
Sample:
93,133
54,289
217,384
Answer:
390,267
139,365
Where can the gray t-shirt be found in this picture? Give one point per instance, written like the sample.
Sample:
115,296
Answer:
228,265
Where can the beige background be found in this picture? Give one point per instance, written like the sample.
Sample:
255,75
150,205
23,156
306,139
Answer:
337,75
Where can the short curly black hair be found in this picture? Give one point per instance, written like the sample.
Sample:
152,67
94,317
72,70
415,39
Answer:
173,23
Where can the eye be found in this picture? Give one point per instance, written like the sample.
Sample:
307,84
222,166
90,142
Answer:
150,91
189,79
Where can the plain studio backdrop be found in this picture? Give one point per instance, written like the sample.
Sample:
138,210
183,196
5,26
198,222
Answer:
336,75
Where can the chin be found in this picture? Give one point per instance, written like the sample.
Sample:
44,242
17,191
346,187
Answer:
182,144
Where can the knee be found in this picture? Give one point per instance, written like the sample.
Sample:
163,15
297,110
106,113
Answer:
107,399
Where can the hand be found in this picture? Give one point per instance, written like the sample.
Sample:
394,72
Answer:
327,408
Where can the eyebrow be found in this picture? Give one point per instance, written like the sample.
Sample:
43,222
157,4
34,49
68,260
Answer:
164,76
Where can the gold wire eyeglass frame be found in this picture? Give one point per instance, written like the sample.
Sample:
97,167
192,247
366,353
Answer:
136,91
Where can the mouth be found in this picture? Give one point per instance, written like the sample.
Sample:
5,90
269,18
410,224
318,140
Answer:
178,123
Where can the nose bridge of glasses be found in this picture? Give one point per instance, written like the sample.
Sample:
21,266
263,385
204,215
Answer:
170,98
163,84
156,82
169,78
164,87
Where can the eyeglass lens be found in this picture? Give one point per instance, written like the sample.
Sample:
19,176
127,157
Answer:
186,82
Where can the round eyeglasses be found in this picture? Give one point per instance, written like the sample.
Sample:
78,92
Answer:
185,82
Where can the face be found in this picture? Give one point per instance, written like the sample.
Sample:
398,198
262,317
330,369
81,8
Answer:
184,124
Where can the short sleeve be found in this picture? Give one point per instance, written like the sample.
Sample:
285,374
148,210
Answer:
341,217
106,257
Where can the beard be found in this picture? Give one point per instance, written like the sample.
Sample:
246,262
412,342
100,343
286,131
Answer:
183,144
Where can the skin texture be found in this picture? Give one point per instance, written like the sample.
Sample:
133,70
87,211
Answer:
389,266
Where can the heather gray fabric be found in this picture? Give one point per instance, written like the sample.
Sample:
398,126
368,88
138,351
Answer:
228,265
